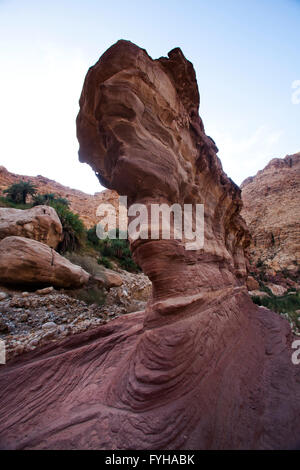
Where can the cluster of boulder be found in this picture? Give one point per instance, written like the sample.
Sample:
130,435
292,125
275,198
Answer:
27,250
31,320
47,313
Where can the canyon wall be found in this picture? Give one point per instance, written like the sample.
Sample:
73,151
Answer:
271,209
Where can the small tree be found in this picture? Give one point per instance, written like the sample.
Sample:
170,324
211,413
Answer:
73,228
48,199
18,192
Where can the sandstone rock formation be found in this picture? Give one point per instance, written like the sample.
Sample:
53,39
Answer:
108,279
40,223
29,262
85,205
252,283
202,367
276,289
272,211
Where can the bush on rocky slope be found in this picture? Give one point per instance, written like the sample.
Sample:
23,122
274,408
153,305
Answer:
73,228
4,202
76,238
18,192
288,304
115,249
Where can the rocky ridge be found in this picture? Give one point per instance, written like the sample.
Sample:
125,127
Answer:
85,205
271,208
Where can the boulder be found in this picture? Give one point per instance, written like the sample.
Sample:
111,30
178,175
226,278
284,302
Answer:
45,291
39,223
252,283
203,367
108,278
3,295
258,293
277,289
29,262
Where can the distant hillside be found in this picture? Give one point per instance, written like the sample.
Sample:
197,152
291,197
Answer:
85,205
272,211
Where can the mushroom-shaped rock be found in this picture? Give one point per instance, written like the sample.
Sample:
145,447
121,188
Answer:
39,223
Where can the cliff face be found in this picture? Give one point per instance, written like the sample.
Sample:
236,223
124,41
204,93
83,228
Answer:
272,211
202,367
85,205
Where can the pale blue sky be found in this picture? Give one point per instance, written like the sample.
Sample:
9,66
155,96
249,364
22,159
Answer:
245,53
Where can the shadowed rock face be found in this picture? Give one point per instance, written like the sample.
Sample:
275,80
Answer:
203,367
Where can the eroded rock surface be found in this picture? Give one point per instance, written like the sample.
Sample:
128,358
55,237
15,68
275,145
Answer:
202,367
272,210
28,262
39,223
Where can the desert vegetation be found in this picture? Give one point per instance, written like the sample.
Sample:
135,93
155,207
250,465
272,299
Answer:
77,240
287,305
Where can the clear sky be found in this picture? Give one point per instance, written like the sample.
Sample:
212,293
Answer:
245,52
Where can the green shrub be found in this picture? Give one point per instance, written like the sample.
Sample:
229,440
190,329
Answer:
49,199
256,299
117,249
105,262
73,228
87,262
284,303
91,295
128,264
264,288
4,202
18,192
92,237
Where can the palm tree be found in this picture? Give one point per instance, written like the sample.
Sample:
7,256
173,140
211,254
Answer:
50,199
18,192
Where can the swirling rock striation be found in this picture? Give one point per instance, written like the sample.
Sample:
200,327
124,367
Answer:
202,367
